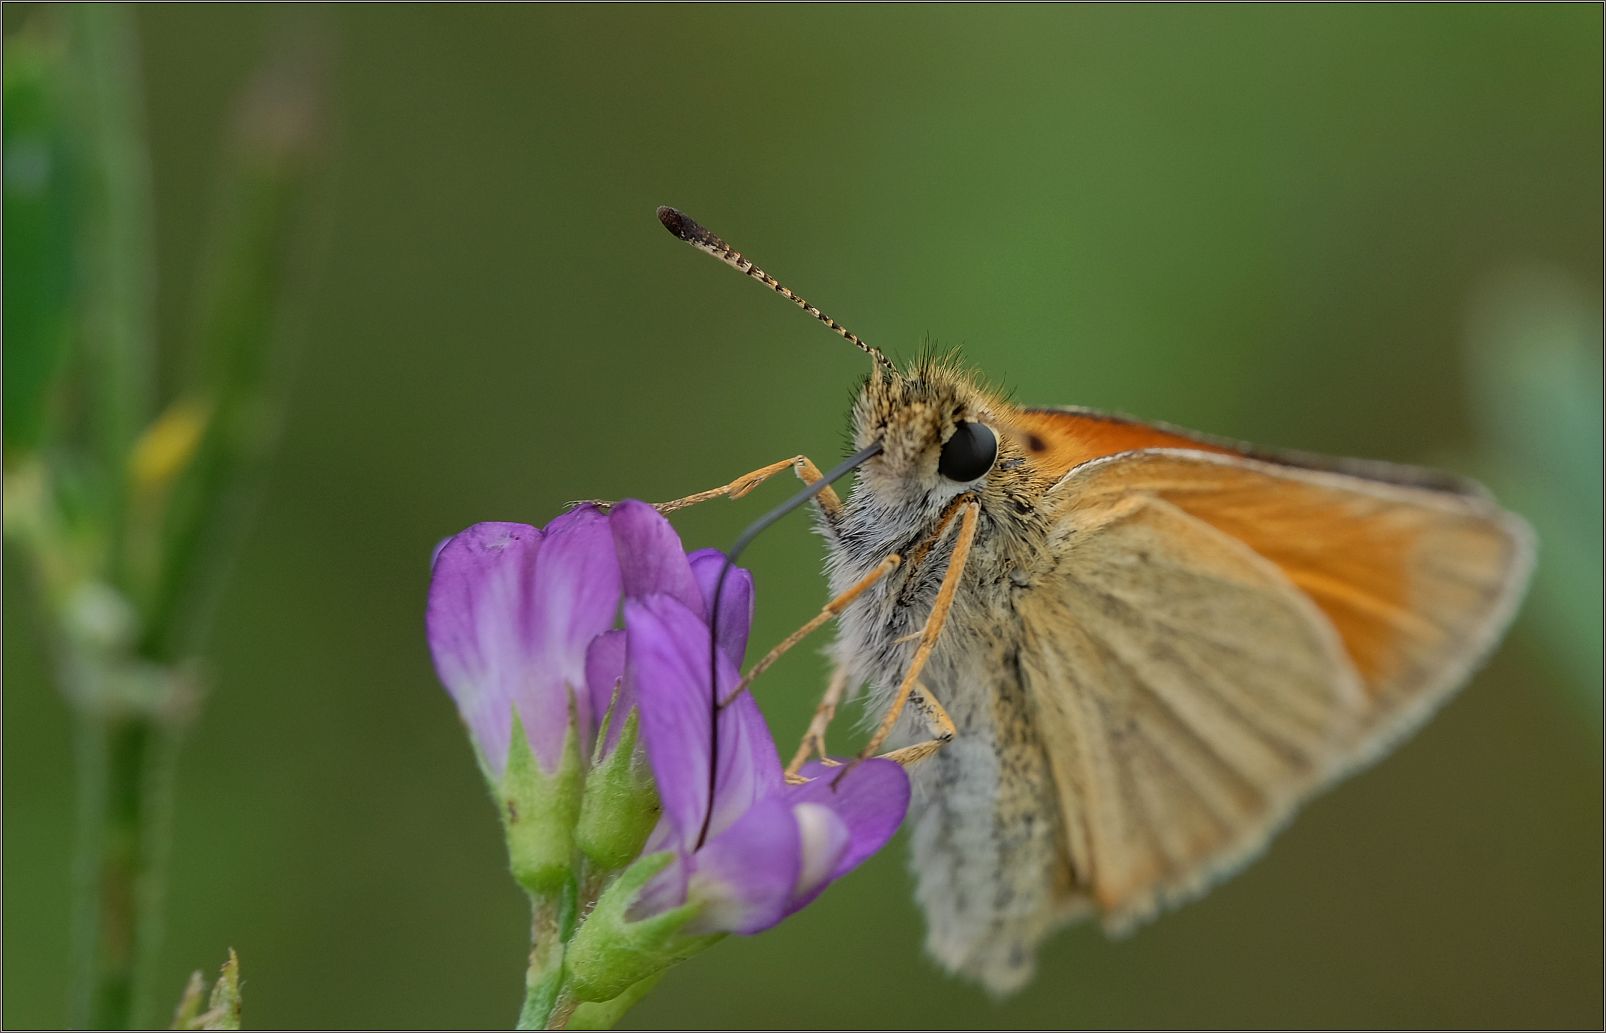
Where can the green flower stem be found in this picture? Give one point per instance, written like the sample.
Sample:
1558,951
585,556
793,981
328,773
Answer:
125,770
544,979
120,749
547,1005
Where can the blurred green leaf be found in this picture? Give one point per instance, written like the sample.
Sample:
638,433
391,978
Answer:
38,230
1535,363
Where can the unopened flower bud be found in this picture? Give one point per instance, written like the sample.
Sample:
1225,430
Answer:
620,805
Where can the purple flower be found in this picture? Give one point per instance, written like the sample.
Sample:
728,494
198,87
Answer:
523,621
512,612
767,848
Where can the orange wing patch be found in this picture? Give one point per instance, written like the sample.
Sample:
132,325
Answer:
1058,440
1416,583
1352,555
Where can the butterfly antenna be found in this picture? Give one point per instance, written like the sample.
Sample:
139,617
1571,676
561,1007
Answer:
693,233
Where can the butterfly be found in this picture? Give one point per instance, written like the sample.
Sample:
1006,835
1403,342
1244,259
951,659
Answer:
1116,655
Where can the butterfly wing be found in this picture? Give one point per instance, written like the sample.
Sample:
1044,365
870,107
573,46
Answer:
1222,635
1060,439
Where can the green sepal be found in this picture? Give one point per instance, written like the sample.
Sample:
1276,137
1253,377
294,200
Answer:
611,953
620,806
222,1007
606,1014
539,812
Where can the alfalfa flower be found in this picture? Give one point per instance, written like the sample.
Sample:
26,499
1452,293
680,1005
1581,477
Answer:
525,627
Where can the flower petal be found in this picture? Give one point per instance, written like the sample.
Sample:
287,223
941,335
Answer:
605,671
745,876
651,559
667,676
479,618
822,840
576,594
666,671
663,891
871,800
735,616
749,767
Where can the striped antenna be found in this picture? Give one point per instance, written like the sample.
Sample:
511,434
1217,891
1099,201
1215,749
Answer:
693,233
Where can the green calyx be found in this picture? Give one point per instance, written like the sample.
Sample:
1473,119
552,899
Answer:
221,1009
539,812
610,953
620,805
574,835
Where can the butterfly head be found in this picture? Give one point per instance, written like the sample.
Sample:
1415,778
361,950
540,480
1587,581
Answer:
939,432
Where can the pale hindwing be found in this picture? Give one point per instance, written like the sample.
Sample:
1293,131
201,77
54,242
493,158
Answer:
1186,695
1190,688
1417,583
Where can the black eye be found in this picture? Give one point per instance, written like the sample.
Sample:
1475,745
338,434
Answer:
969,453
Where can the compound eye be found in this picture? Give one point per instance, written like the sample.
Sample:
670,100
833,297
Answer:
969,453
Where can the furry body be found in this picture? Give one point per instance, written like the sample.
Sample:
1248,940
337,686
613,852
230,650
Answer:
985,824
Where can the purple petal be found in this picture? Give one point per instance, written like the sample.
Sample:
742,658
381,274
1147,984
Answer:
735,601
666,669
749,767
480,619
871,800
666,890
745,876
668,679
822,840
651,559
605,671
576,593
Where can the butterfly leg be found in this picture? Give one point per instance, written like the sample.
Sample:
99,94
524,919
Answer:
814,739
938,723
830,610
807,472
967,510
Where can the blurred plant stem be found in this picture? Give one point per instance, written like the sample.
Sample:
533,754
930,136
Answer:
125,768
124,510
116,243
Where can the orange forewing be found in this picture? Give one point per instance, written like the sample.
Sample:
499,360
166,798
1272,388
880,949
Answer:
1058,440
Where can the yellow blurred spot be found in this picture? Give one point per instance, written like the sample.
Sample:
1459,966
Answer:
168,445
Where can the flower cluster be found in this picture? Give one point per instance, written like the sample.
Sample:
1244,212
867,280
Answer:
650,820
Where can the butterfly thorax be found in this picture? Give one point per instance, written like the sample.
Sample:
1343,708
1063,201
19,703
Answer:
898,503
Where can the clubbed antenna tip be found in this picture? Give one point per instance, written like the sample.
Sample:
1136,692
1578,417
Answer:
682,225
693,233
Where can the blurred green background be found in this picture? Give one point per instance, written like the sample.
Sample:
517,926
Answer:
1362,230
